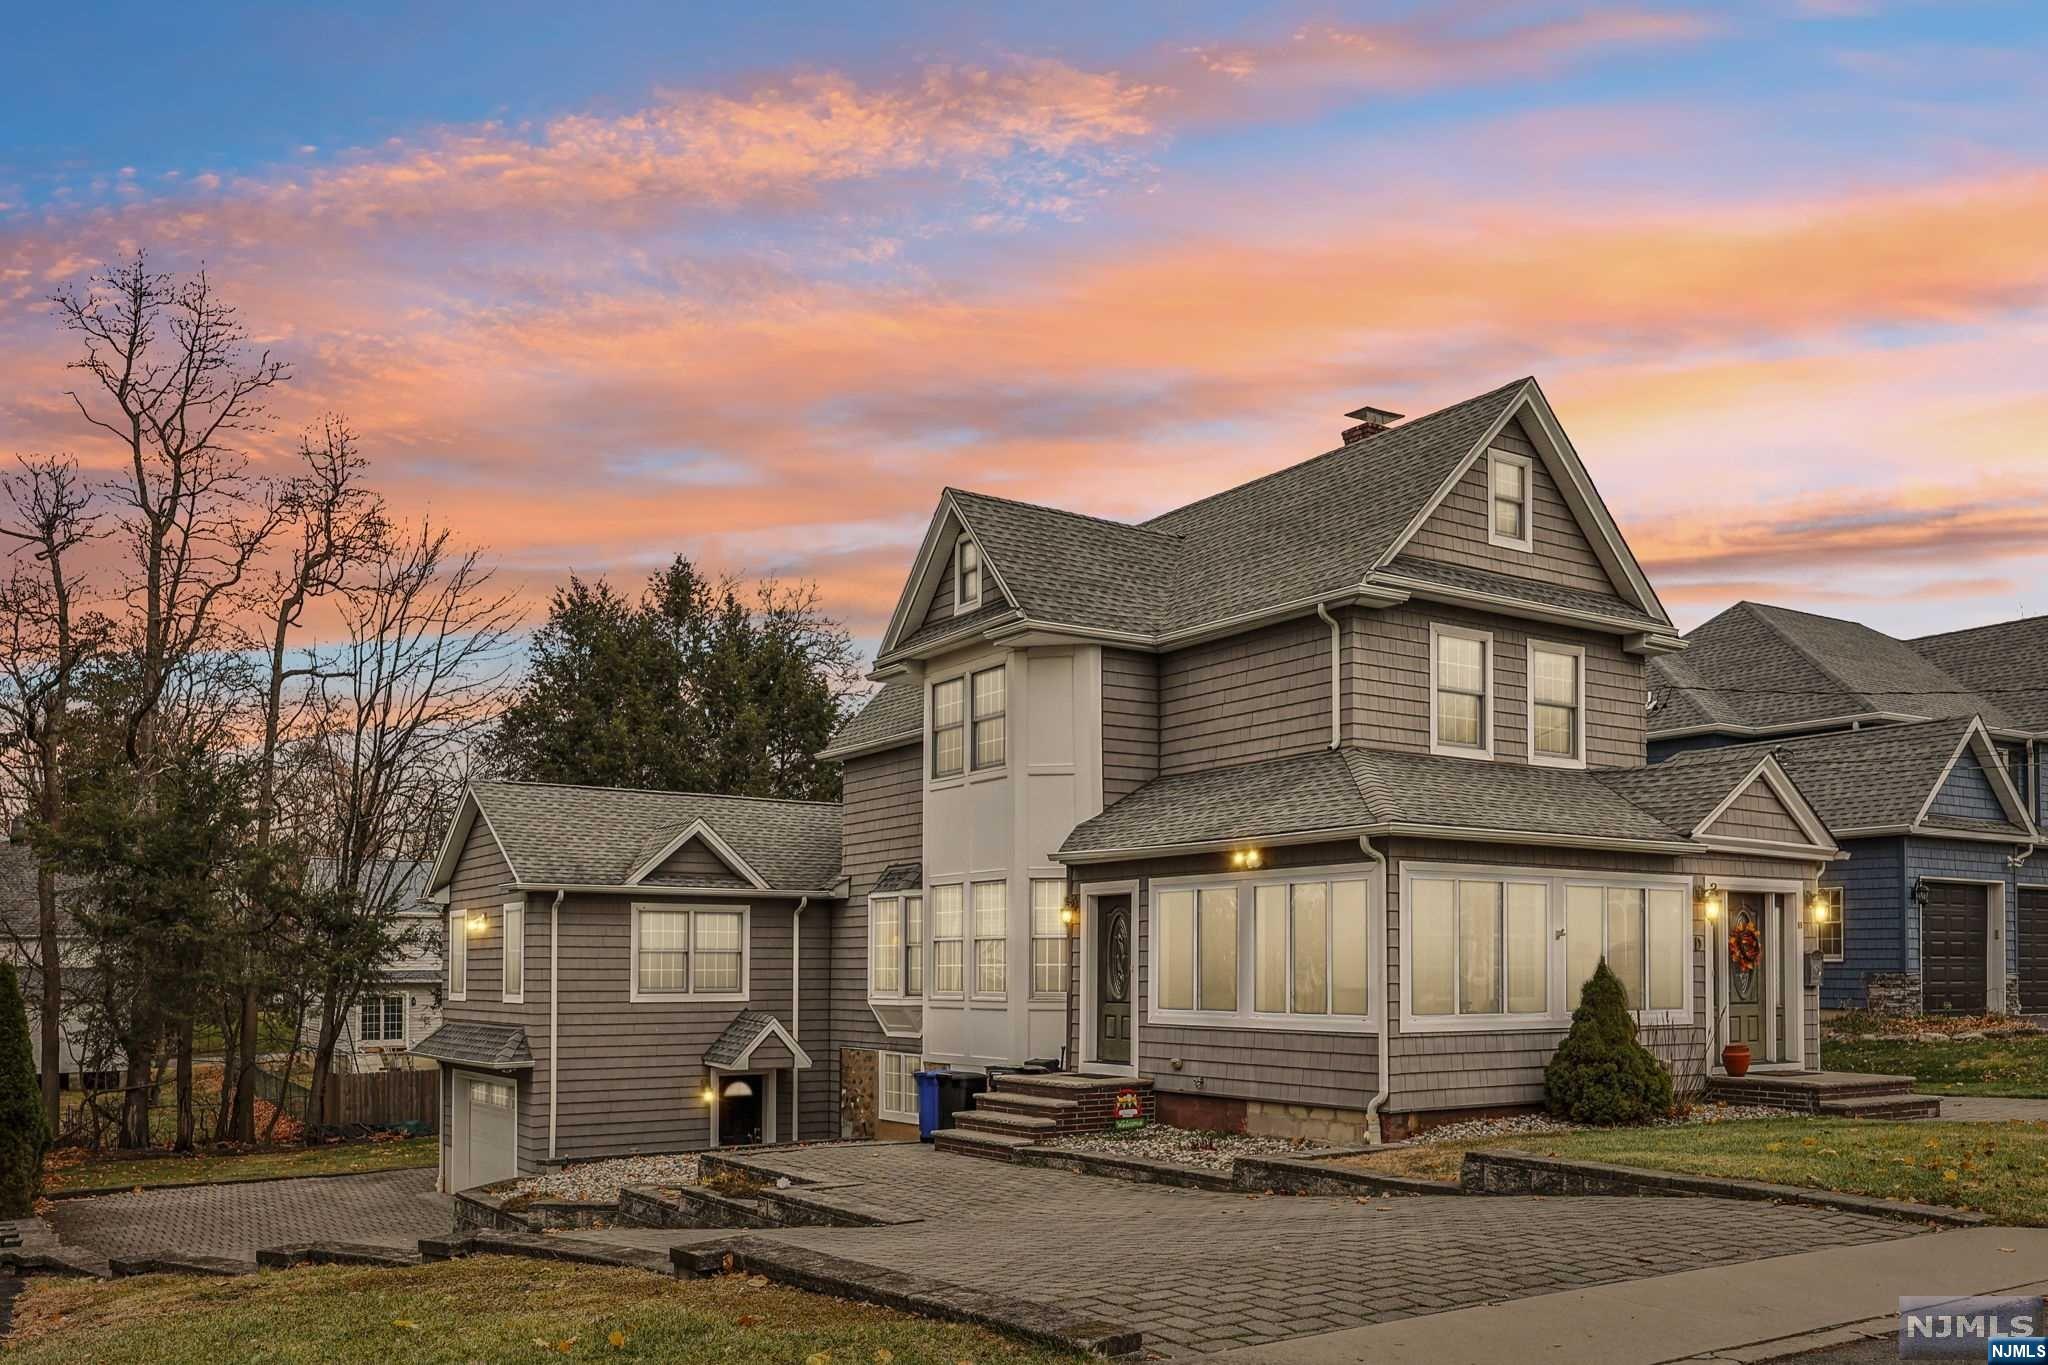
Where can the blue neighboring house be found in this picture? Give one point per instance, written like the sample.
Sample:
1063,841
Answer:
1924,758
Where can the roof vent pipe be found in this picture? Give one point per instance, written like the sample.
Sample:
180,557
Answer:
1371,422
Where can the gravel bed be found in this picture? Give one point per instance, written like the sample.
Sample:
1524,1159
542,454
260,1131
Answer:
600,1181
1522,1125
1181,1146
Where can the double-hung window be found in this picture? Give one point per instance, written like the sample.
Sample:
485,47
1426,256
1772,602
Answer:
1461,693
458,955
682,953
1048,936
381,1019
949,727
1508,478
991,699
966,575
515,952
896,957
1830,929
991,938
1557,704
947,926
896,1087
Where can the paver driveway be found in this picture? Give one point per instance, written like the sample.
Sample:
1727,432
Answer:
382,1208
1201,1272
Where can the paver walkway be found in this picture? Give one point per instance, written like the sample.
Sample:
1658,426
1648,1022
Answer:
381,1208
1201,1272
1989,1109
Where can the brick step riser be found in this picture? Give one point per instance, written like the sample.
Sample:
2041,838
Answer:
946,1142
1093,1108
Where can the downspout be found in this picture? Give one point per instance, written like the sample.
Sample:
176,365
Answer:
554,1015
796,1016
1372,1107
1336,676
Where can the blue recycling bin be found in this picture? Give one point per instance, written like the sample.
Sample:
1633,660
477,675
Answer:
927,1103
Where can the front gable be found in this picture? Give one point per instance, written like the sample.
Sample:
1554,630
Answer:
1575,541
1759,813
471,856
929,594
695,856
1967,792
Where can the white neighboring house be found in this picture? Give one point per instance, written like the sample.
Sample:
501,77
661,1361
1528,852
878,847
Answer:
404,1005
20,924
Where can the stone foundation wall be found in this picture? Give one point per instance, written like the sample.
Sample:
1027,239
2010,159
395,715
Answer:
1307,1122
2012,993
859,1082
1892,992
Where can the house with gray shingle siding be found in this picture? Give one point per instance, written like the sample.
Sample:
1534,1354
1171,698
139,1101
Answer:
1307,807
1924,757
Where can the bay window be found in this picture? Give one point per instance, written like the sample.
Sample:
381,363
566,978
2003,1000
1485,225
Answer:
947,927
991,938
896,947
1048,936
1485,945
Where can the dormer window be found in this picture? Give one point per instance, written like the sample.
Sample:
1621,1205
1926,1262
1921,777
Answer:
966,575
1508,496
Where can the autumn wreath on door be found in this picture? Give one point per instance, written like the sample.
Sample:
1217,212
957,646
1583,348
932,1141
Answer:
1745,949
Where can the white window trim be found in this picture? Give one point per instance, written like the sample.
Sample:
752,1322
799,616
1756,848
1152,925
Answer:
916,1064
962,603
1540,760
1439,630
971,969
1246,1017
1033,938
458,950
404,1037
1562,1000
505,913
1527,544
638,996
931,962
900,996
1837,898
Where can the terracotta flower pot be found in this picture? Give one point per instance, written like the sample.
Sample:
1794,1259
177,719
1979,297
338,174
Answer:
1735,1059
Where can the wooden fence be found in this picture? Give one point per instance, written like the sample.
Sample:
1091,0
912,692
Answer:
377,1099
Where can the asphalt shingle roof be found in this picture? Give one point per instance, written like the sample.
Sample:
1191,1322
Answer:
1351,790
1530,590
557,835
2009,659
729,1047
1684,794
1878,777
1757,665
899,877
896,713
467,1042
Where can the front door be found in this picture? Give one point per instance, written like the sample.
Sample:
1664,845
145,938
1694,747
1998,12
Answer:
2034,948
740,1110
1113,979
1954,975
1749,949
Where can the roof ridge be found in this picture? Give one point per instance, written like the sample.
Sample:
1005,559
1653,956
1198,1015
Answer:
1170,536
1762,610
1408,425
1910,641
652,791
1695,757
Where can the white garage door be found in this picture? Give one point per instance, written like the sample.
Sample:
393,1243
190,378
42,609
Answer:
485,1144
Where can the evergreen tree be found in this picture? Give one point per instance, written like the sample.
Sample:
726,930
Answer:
24,1134
691,688
1600,1073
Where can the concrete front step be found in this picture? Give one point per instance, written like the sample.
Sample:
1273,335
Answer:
1882,1107
1015,1125
1034,1106
968,1142
1806,1091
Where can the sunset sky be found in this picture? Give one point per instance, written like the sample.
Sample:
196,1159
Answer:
599,283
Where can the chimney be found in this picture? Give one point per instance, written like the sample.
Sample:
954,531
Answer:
1371,422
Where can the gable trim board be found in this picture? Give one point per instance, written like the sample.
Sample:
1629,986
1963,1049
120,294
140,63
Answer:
919,588
466,815
697,829
1820,841
1977,740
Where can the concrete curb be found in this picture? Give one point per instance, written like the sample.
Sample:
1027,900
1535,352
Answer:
1500,1172
1046,1324
295,1254
165,1263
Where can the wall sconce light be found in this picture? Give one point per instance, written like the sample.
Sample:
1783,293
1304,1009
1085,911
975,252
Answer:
709,1093
1246,858
477,922
1818,908
1920,892
1070,913
1711,901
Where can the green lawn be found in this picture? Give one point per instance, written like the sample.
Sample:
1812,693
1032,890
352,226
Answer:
1999,1169
2012,1066
486,1308
131,1172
